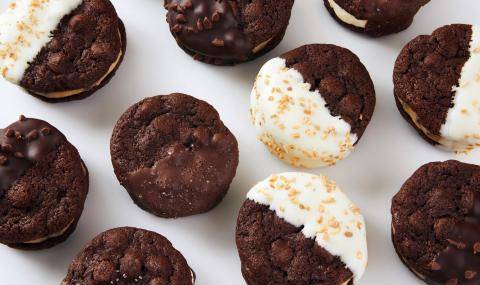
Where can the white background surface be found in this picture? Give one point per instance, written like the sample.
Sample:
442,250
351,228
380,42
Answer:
386,156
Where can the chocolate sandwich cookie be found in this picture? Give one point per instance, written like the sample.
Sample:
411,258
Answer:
61,50
127,256
437,83
436,223
43,185
228,32
174,155
299,228
312,105
375,17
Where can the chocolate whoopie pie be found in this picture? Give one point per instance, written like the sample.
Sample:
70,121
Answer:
126,256
375,17
228,32
436,223
43,185
174,155
312,105
299,228
61,50
437,85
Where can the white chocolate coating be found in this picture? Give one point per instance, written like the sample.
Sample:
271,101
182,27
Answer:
346,17
461,130
324,211
26,27
294,122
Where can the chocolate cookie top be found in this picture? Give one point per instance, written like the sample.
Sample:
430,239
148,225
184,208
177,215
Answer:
298,228
75,47
174,155
43,182
129,256
312,105
436,222
435,77
375,17
226,32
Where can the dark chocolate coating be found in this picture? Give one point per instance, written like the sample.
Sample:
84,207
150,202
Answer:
174,155
127,256
436,223
43,184
227,32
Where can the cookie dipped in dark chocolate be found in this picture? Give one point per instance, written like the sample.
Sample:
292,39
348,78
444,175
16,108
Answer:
21,144
209,27
459,263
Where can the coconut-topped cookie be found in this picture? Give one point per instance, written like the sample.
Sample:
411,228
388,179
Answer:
437,86
311,105
375,17
299,228
60,50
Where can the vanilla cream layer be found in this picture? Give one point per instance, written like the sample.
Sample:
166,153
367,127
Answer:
54,235
323,211
346,17
65,94
25,28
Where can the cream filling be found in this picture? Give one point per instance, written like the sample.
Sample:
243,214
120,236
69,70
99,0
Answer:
444,143
261,46
54,235
346,17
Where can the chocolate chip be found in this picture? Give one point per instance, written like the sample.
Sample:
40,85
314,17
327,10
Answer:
181,18
207,23
103,271
453,281
188,4
3,160
9,133
476,248
19,155
216,17
159,265
218,42
199,25
457,244
435,266
158,281
18,135
100,50
22,118
33,135
58,62
130,265
177,28
46,131
78,22
7,147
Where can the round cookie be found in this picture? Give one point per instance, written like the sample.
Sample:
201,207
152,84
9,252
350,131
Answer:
174,155
437,84
375,18
436,222
61,50
228,32
311,105
43,185
299,228
126,256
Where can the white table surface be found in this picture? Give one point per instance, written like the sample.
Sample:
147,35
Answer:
386,156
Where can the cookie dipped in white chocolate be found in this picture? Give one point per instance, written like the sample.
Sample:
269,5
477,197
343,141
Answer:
25,28
322,210
461,130
295,122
